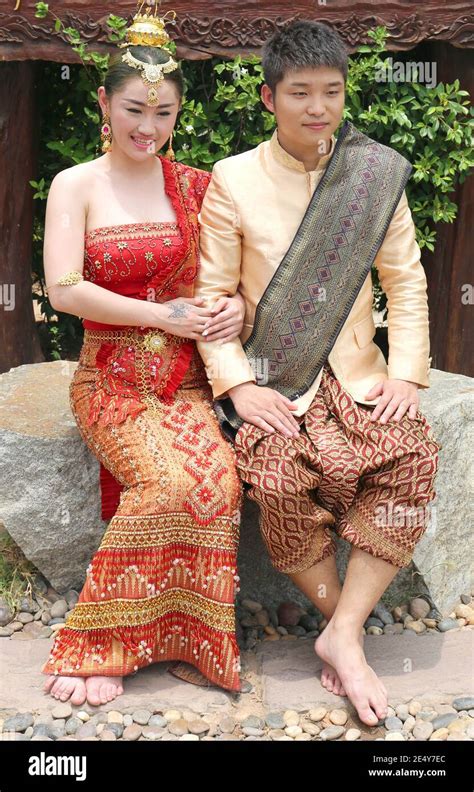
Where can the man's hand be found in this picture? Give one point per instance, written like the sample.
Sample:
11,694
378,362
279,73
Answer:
397,397
265,408
227,319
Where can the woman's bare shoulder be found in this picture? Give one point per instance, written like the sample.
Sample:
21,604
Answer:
79,176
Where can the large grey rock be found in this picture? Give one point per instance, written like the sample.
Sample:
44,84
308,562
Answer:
50,500
49,497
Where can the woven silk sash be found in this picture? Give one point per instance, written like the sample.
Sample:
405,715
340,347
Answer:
308,299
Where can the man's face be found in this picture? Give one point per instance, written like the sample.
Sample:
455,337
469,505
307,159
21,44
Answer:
308,105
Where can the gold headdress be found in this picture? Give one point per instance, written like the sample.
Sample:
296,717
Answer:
148,30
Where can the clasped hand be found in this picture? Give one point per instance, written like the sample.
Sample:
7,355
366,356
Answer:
189,317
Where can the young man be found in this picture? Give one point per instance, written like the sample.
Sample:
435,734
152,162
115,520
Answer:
294,225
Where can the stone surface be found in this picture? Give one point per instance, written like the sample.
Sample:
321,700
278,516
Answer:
291,670
51,509
152,688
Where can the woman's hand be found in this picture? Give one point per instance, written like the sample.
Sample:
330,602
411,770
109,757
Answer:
227,319
184,316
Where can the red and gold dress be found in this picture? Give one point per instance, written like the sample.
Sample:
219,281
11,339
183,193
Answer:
162,584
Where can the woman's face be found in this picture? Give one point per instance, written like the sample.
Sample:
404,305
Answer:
138,130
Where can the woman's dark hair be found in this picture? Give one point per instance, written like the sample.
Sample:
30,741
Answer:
119,72
302,45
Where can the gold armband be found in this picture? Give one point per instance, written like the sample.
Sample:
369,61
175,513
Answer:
70,279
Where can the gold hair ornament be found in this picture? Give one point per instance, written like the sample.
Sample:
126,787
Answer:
148,30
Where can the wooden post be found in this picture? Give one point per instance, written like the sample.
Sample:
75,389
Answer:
19,342
450,268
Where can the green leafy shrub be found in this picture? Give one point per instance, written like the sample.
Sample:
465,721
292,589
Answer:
223,115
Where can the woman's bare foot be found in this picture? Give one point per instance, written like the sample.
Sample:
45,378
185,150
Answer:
66,687
338,648
101,689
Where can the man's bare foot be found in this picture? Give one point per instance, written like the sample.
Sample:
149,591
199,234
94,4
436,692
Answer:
101,689
330,679
66,687
344,653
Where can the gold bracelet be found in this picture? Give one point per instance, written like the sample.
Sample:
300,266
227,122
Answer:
70,279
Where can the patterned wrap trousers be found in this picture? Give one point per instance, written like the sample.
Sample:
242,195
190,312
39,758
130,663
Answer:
163,582
370,482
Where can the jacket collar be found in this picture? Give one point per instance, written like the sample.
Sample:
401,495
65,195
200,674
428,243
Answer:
284,158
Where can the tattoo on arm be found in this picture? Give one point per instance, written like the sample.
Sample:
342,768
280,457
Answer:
178,311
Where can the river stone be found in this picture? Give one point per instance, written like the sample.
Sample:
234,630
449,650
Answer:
40,730
253,722
293,731
63,710
132,732
33,629
58,609
332,733
419,608
338,717
115,728
250,731
317,714
310,623
393,723
416,627
372,621
157,720
86,731
6,613
27,605
142,716
463,703
382,612
198,726
393,629
352,735
275,720
72,725
251,605
443,721
289,614
423,730
19,722
447,624
24,618
154,733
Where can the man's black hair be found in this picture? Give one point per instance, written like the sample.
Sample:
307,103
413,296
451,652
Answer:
302,45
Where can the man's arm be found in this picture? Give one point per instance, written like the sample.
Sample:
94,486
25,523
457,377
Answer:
403,280
228,369
219,276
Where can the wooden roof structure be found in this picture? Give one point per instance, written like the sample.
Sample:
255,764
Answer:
206,28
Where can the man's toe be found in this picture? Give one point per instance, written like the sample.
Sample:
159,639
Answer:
367,715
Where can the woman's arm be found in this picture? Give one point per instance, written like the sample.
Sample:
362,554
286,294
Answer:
64,252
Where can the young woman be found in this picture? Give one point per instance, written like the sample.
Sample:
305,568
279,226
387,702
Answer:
121,251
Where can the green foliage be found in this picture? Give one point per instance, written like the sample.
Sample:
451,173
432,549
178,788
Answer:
223,115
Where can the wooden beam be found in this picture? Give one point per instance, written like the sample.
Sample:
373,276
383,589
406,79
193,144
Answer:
228,27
